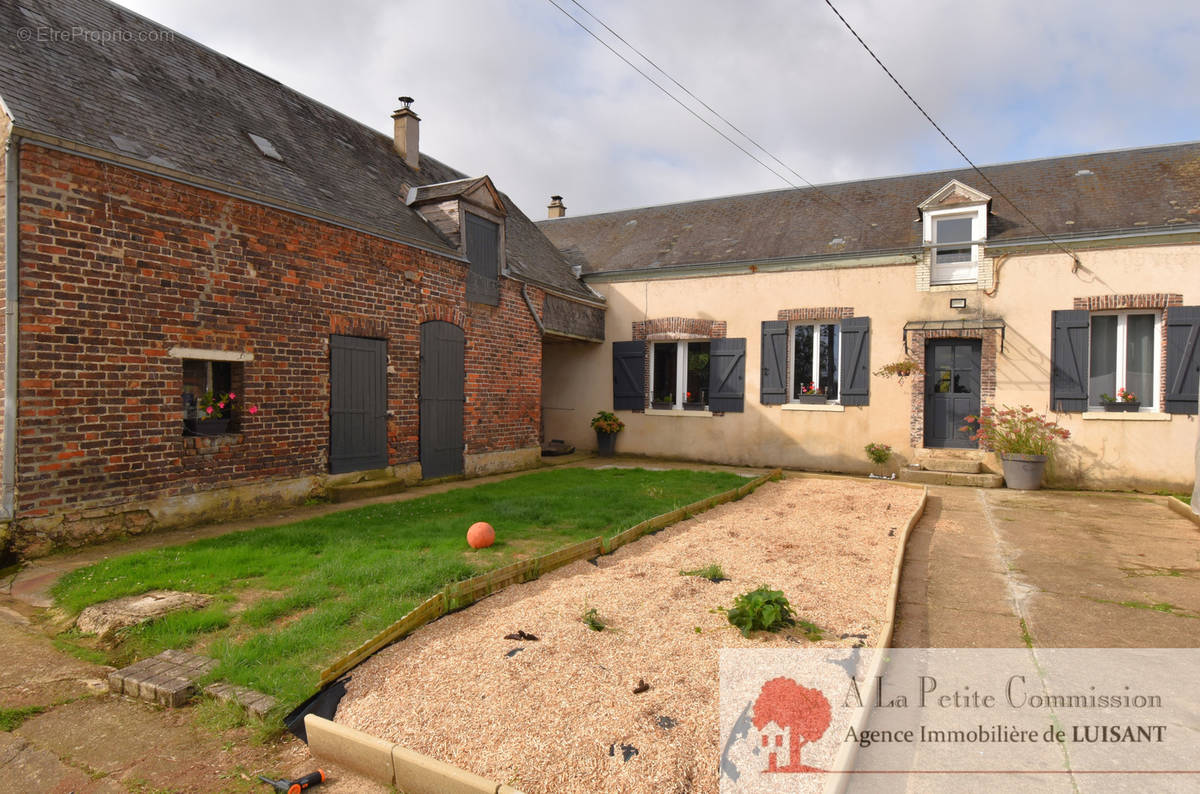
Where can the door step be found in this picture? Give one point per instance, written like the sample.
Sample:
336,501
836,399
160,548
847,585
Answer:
926,477
952,465
366,489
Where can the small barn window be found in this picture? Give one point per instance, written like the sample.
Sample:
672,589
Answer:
207,384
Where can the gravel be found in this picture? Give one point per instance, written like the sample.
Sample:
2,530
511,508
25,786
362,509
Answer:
560,714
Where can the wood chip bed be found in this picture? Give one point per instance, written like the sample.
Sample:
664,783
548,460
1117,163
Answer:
560,714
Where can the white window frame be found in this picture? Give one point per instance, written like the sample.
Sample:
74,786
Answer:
1122,346
955,272
816,359
681,346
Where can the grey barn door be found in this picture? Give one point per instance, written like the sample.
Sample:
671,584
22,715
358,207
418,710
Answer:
358,404
952,388
442,397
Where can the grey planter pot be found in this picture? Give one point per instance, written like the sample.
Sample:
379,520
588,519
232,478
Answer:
606,444
1023,472
810,399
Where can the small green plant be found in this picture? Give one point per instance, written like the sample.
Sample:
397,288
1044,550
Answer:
878,453
591,618
713,573
762,609
11,719
607,422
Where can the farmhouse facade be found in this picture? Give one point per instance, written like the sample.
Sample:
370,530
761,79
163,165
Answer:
768,329
177,225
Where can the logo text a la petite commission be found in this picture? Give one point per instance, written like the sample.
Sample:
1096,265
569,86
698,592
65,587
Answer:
1017,694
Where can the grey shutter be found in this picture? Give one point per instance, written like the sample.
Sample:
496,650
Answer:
1183,359
727,375
773,390
483,250
1069,360
629,383
856,361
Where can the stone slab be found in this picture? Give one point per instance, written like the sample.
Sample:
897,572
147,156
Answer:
103,619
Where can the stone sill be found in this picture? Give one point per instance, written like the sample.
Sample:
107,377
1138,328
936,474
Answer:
828,407
204,444
675,412
1121,416
954,285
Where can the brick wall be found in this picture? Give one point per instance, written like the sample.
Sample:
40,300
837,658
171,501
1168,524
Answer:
118,267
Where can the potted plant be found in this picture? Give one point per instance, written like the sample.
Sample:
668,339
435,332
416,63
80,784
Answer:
212,413
905,367
607,425
1024,441
880,454
810,393
1124,401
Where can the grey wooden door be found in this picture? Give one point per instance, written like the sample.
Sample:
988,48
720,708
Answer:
442,396
951,391
358,404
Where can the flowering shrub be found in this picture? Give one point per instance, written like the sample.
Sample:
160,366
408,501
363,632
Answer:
1016,431
216,405
878,453
810,388
1122,397
607,422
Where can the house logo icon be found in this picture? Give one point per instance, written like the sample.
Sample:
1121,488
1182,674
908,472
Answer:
788,716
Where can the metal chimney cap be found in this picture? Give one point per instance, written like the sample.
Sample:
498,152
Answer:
406,101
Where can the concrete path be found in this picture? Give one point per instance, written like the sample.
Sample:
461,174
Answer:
998,568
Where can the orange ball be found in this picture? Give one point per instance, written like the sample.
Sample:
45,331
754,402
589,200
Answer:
481,535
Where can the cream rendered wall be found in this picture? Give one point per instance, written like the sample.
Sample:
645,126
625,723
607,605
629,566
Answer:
1103,453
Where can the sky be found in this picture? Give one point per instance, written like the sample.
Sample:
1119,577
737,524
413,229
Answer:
516,90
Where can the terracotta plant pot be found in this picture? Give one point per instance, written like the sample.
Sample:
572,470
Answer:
1023,472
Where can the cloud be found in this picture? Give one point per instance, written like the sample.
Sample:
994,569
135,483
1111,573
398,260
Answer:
518,91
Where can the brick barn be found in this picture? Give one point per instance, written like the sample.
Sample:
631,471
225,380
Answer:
176,224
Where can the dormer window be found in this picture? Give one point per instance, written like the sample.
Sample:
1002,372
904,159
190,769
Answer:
483,250
954,223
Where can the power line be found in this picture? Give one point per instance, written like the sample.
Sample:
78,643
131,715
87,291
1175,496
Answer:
704,104
963,154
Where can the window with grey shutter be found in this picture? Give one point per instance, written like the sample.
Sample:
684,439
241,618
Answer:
629,384
1183,359
727,375
1069,360
773,386
483,251
856,360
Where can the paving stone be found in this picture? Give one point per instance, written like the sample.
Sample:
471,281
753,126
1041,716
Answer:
255,702
168,679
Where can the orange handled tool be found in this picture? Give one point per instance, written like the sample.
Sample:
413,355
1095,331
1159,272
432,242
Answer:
297,785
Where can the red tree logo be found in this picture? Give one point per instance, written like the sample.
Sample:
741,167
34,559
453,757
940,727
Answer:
786,711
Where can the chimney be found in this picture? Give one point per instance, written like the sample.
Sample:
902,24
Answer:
407,135
556,207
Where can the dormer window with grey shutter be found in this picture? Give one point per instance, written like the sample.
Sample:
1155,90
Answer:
483,250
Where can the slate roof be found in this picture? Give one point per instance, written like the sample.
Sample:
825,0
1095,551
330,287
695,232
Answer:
1108,192
174,103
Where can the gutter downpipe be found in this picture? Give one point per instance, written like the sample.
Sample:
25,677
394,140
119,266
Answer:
533,312
8,465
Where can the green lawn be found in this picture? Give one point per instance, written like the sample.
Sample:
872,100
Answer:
289,600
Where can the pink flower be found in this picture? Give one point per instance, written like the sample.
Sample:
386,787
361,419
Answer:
253,409
220,405
208,409
232,395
